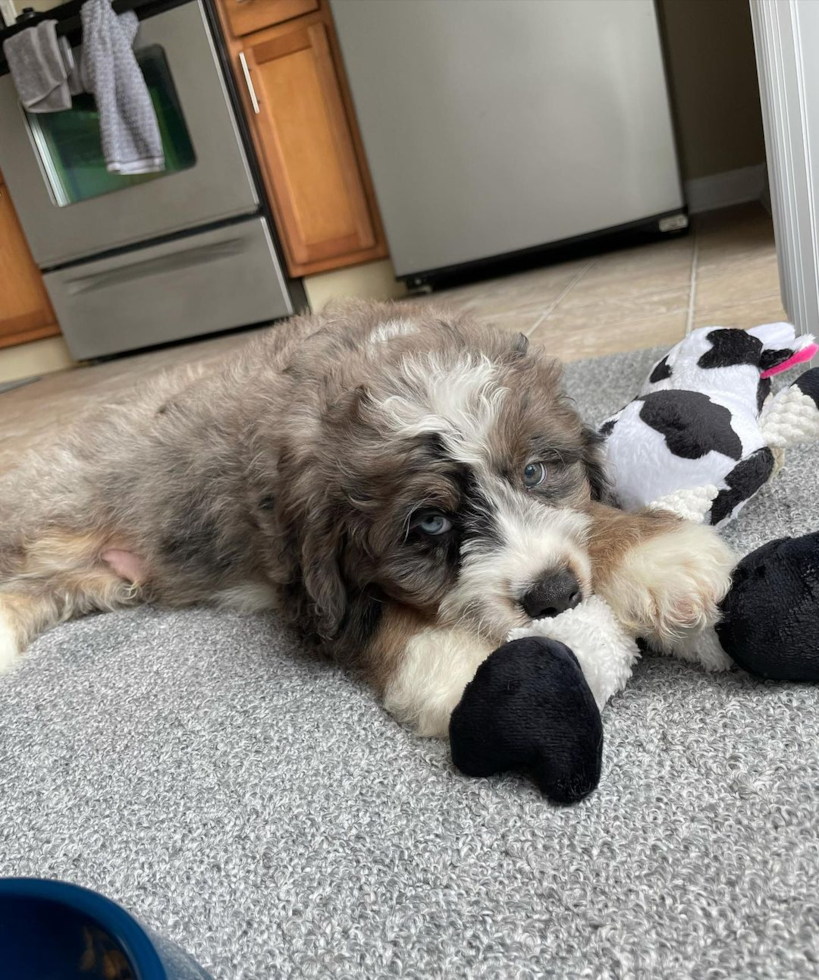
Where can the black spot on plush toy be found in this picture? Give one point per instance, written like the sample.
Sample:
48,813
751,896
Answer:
534,704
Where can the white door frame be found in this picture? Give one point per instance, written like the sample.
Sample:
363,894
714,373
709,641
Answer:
786,38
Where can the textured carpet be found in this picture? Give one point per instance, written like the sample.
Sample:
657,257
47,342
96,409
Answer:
261,810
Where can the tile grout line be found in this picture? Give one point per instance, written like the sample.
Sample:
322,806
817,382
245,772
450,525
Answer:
561,296
692,288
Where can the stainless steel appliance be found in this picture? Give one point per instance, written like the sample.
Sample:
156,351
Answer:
505,125
132,261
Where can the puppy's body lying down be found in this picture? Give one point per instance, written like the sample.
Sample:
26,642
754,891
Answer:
404,485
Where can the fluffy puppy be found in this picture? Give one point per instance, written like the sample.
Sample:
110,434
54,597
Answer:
404,485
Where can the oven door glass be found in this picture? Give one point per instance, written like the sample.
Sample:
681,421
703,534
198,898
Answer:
71,151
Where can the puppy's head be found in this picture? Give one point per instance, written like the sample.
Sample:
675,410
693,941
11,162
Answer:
451,476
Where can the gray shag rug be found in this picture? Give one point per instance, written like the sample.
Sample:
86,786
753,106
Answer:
261,810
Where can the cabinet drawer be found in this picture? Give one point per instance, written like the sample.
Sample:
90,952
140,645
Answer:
246,16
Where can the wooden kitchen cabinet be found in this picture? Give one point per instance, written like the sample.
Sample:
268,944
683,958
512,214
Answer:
304,128
25,310
246,16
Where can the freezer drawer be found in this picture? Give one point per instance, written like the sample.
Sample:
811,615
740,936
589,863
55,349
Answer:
210,281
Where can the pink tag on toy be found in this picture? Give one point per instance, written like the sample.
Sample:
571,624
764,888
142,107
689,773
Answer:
798,358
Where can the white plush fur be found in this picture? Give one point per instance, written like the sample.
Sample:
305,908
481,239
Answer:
668,591
779,335
605,651
692,504
790,419
435,668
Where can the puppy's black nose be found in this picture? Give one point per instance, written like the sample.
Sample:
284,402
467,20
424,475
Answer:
553,594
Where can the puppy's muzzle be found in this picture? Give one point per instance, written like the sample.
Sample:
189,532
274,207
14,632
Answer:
552,594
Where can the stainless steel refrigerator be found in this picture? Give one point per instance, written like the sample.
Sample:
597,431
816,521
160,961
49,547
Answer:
499,126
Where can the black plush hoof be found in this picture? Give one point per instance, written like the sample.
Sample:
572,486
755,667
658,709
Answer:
770,618
529,708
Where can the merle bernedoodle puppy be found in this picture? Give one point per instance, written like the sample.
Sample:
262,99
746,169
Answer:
405,485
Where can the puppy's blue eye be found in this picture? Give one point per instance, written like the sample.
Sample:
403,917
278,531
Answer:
533,475
432,522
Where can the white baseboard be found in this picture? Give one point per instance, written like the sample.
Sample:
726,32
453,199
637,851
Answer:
35,358
373,280
723,190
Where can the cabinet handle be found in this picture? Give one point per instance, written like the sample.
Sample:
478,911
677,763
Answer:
249,82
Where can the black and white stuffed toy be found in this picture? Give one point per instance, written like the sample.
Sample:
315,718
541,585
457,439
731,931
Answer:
700,439
705,433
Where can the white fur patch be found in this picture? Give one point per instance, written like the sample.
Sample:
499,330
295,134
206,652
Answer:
460,401
690,503
391,329
9,643
250,597
542,540
436,667
534,541
700,648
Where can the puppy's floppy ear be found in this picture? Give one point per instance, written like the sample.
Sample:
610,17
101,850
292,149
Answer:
322,551
344,611
594,459
323,535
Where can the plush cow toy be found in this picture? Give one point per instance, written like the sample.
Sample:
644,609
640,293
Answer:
701,438
705,434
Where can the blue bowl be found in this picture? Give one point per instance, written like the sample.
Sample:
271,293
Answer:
51,930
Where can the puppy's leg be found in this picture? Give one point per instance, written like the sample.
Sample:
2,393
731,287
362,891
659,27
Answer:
421,669
663,577
56,577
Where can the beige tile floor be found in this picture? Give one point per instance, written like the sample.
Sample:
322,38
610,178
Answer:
723,273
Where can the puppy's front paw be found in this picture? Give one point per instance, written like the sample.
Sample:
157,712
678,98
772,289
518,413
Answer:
529,708
670,585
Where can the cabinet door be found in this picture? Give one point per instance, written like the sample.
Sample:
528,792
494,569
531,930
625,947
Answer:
306,138
246,16
25,312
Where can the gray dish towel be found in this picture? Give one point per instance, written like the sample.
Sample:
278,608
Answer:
71,66
38,68
131,142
